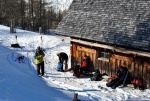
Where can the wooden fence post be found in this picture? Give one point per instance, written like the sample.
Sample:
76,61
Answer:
75,97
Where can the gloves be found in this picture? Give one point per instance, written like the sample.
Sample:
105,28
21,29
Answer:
41,56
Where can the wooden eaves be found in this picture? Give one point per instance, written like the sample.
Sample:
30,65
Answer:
135,52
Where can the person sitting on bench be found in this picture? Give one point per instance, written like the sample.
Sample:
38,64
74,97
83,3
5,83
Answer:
79,70
84,65
118,79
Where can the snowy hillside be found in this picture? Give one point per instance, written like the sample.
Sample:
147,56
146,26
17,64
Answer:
20,82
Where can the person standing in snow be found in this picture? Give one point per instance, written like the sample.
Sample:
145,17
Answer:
39,60
63,58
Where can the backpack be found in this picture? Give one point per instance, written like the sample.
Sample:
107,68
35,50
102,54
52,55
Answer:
96,76
138,82
59,66
76,72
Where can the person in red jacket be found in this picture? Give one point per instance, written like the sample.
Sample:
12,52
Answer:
84,65
78,69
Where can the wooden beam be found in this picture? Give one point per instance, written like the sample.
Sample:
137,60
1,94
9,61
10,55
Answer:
86,49
146,54
75,98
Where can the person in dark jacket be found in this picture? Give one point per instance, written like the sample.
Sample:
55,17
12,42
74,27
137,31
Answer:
119,78
63,58
96,76
39,60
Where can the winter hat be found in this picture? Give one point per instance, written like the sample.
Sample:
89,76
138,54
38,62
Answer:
38,48
121,67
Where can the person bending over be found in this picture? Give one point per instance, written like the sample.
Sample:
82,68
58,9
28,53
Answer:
63,58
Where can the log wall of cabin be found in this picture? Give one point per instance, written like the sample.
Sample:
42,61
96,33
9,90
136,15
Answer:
78,52
137,65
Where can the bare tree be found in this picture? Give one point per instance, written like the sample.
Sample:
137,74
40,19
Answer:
22,9
30,14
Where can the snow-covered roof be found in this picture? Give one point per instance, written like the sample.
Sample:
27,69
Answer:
115,22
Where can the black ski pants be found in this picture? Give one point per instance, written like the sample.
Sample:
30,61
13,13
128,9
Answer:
40,68
81,69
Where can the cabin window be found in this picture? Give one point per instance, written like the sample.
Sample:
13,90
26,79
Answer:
104,54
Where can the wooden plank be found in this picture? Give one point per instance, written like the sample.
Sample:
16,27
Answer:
110,65
125,50
73,60
81,48
72,57
145,71
121,57
101,66
107,67
74,50
80,56
93,62
136,69
96,60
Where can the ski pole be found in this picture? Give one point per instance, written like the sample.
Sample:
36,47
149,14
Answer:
16,38
41,41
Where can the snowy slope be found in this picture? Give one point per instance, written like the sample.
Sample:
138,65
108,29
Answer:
19,81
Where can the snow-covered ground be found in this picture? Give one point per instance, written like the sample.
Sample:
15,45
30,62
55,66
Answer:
19,81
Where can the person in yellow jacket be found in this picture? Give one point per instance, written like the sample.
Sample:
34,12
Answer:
39,61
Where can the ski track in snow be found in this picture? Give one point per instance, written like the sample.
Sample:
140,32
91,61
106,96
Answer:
22,67
67,83
70,87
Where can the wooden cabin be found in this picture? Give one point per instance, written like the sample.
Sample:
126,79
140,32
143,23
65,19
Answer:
111,33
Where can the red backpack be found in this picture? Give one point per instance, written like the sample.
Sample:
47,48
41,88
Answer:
138,82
